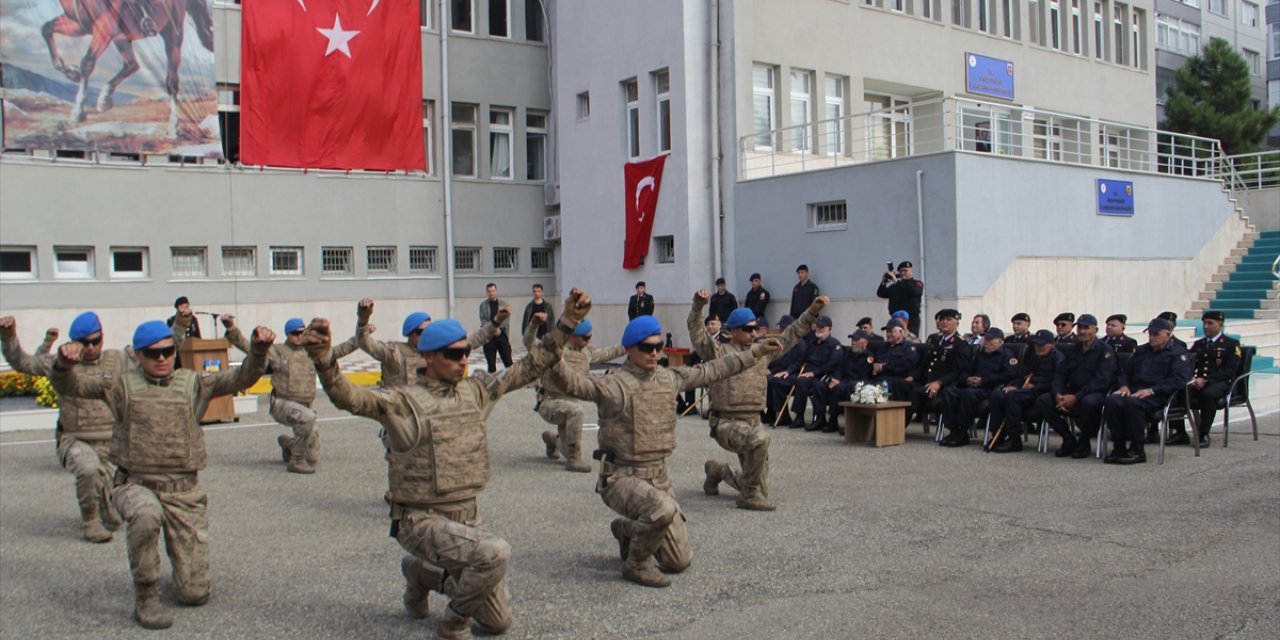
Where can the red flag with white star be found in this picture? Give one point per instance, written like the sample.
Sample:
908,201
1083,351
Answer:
331,84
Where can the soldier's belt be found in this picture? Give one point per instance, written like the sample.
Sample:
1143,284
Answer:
181,485
746,415
644,473
456,511
281,396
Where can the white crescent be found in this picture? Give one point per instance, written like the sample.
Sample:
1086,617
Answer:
646,181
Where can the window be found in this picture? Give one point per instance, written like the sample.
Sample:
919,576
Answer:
188,262
584,105
229,120
926,9
1273,43
1135,33
666,249
466,258
239,262
1055,25
801,110
422,259
1249,14
1218,6
762,111
631,93
460,15
336,261
535,146
128,262
1077,28
1254,61
834,101
1117,20
380,259
424,13
17,263
1190,3
500,151
828,215
499,19
1165,78
540,259
533,17
960,13
506,258
1099,30
986,19
428,140
1008,17
662,88
1033,22
464,139
286,261
73,262
888,126
1177,36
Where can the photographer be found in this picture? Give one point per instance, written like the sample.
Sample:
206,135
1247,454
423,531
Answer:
904,293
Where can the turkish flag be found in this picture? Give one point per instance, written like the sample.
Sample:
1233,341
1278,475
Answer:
643,179
333,84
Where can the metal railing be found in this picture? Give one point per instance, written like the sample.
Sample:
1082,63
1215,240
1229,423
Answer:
959,124
1259,170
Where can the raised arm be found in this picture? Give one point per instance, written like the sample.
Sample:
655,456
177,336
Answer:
705,347
606,354
67,383
488,330
233,335
704,374
801,326
251,368
15,356
546,354
531,325
45,350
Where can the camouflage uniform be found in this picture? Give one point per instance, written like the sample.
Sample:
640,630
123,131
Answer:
437,463
158,447
401,360
736,404
84,428
637,435
559,408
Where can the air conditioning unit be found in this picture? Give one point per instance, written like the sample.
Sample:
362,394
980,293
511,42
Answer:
551,229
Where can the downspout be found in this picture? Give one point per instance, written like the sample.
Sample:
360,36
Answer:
920,227
713,115
446,164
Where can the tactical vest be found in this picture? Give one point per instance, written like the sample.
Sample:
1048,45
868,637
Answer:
573,361
646,430
396,370
296,380
742,392
450,460
86,419
160,432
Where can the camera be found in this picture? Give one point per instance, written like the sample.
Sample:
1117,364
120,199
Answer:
888,265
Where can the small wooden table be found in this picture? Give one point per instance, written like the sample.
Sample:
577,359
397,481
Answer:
881,425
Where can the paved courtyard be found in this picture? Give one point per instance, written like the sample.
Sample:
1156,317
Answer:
904,542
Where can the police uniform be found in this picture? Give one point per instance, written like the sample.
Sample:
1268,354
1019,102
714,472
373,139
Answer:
960,402
819,357
561,409
722,304
854,367
637,435
158,448
437,463
1217,361
1121,344
944,359
802,296
904,295
1034,378
900,362
640,304
1164,372
791,357
757,300
736,403
293,390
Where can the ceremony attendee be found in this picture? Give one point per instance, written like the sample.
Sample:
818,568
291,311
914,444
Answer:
818,358
992,368
1063,324
640,304
538,305
500,344
897,362
904,293
1009,404
722,302
757,299
1157,370
804,293
1116,339
978,329
856,366
1021,332
1215,363
182,307
1172,319
945,357
866,326
1080,388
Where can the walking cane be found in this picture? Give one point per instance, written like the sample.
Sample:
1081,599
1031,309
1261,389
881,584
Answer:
790,393
691,407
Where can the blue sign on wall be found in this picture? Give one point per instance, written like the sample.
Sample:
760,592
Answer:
1115,197
988,76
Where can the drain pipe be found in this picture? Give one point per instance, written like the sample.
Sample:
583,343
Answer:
920,226
446,164
717,217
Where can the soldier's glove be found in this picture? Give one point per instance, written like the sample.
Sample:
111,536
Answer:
364,311
818,304
766,347
262,341
503,314
316,340
576,306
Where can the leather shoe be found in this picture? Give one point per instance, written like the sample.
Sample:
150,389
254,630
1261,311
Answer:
1083,450
1008,445
950,441
1204,441
1153,436
1178,438
1068,447
785,420
1117,450
1133,457
831,427
814,425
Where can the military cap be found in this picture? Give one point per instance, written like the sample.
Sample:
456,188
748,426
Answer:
1119,317
754,276
994,333
1170,316
1159,324
1020,316
785,321
150,332
1065,316
439,335
1042,337
824,321
859,335
947,313
905,264
864,320
1213,314
85,325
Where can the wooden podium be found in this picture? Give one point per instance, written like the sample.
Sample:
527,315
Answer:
199,355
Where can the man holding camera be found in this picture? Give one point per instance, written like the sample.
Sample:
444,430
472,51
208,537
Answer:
904,293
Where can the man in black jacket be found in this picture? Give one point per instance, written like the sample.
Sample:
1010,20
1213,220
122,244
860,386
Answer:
641,304
990,369
1158,370
855,366
1080,387
944,356
722,302
1035,378
819,358
804,293
757,299
904,293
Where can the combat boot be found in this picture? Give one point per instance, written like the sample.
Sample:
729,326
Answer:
453,627
576,465
549,439
715,474
754,501
92,524
147,610
283,441
300,465
645,573
313,448
619,530
420,581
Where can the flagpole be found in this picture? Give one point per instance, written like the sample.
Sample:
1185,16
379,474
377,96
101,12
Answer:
446,164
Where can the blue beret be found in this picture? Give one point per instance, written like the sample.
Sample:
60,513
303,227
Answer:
901,314
441,334
294,324
149,333
413,321
740,317
85,325
583,329
639,329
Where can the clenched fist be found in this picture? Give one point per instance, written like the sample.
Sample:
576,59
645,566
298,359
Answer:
70,351
51,335
766,347
364,311
818,303
316,340
577,305
262,340
701,297
8,327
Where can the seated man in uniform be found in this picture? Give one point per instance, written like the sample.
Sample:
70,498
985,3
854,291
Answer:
1021,332
945,357
990,369
819,358
1080,389
1116,339
1216,359
857,365
1008,404
1158,370
897,361
1064,323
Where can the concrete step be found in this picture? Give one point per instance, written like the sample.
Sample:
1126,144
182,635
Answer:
1254,267
1265,277
1261,286
1258,256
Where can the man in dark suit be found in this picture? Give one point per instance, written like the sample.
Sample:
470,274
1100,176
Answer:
804,293
904,293
722,302
641,304
1215,359
757,299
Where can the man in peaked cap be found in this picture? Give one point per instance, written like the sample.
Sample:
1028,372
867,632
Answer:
904,293
1021,329
1156,371
1064,324
1215,363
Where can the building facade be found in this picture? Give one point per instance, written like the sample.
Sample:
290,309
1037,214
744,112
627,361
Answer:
1183,27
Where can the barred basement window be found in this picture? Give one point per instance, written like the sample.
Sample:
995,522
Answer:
540,259
666,249
422,259
286,261
466,258
188,262
381,259
239,262
828,215
336,261
506,258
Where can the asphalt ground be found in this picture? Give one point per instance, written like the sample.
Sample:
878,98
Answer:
909,541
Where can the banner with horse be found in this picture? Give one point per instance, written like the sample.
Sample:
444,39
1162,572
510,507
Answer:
124,76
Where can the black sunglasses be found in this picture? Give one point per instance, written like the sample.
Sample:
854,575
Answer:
90,342
649,347
298,332
456,354
156,354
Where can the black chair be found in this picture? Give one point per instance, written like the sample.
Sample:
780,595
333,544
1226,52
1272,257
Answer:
1238,396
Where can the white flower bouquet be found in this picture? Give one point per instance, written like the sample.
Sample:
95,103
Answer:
870,393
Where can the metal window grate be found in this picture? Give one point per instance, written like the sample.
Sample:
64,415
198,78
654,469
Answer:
381,259
666,249
239,261
506,258
466,258
286,261
540,259
422,259
189,262
336,261
828,214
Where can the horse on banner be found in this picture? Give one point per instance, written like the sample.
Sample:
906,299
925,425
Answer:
120,23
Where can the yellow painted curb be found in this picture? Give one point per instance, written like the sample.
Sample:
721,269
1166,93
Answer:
358,378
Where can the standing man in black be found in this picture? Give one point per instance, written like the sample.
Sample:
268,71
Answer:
641,304
1080,387
538,305
1216,357
804,293
1120,343
1158,370
499,344
757,299
904,293
722,302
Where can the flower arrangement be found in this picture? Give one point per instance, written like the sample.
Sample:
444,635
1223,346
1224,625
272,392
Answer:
870,393
13,383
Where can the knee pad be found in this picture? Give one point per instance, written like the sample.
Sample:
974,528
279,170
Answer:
664,513
492,553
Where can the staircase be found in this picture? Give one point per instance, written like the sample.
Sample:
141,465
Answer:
1245,288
